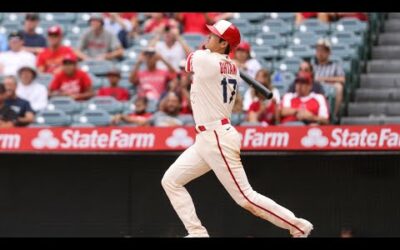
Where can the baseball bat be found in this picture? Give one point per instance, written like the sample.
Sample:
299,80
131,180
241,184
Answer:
255,84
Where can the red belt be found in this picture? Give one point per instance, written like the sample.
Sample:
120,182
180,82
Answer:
203,128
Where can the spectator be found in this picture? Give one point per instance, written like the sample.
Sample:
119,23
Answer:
22,107
362,16
50,59
140,117
8,117
71,81
13,59
156,22
119,93
181,86
261,110
328,72
173,47
306,66
3,43
169,115
304,106
33,42
98,43
119,26
237,116
151,82
195,22
250,65
264,77
31,90
322,16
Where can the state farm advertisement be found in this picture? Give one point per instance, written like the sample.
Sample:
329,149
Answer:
277,138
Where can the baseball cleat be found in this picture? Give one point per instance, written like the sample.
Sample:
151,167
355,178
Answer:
306,226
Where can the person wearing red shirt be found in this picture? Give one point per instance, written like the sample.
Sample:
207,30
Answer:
71,81
119,93
156,23
140,117
151,82
195,22
262,110
304,106
50,59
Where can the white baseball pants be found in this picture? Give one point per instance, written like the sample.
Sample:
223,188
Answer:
218,149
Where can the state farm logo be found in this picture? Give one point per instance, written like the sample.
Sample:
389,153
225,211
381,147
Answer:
179,138
314,137
45,139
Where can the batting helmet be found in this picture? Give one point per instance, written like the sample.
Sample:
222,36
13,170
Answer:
227,31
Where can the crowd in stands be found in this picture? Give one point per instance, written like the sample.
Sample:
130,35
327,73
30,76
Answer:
156,77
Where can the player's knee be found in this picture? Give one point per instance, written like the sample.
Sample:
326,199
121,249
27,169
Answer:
166,182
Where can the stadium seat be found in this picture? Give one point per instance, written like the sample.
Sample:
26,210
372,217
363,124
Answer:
288,17
133,52
72,31
270,39
313,25
52,118
391,120
59,17
245,27
15,16
309,38
265,52
82,20
93,117
194,40
265,63
346,38
298,50
351,24
44,79
143,40
126,65
343,51
253,17
64,103
96,81
82,125
288,64
237,118
44,25
106,103
98,68
11,25
282,81
276,26
71,42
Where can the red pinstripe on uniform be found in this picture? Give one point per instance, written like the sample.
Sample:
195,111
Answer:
189,66
237,185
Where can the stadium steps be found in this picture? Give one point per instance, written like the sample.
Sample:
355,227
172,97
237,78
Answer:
386,52
377,100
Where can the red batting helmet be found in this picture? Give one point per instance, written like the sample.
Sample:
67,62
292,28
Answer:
227,31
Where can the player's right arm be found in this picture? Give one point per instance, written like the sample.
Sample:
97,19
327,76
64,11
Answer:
201,62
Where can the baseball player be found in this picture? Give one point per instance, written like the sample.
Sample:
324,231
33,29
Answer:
217,145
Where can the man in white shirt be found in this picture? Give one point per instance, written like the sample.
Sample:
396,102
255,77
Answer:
119,26
173,47
12,60
31,90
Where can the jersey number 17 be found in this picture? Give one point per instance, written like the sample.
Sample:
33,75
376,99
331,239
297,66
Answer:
224,84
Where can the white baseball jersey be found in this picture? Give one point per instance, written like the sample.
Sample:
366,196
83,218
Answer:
214,87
